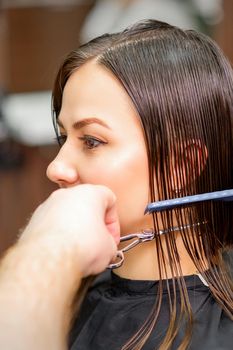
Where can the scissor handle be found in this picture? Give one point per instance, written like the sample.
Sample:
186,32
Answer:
115,265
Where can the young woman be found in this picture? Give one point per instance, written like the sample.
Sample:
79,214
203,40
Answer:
148,113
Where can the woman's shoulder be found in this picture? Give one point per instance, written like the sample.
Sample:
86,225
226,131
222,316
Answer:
118,306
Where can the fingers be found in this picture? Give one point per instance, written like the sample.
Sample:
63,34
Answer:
92,209
106,233
111,217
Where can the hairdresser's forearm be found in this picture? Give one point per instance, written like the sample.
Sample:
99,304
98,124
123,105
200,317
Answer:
35,311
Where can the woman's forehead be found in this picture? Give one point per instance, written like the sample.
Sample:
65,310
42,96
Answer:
93,91
95,82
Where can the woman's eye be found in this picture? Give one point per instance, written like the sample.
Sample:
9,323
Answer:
91,142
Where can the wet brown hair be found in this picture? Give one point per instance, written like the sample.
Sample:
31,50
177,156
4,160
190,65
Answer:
182,87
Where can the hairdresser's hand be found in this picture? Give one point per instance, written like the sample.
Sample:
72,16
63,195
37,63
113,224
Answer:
74,233
82,221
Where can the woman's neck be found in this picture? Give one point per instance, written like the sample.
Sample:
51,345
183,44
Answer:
141,263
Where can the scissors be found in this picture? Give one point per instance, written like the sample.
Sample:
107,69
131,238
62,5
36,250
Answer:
140,237
148,234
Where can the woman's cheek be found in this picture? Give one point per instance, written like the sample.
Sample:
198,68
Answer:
131,208
125,173
127,177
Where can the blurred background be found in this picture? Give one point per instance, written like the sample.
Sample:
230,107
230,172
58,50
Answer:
35,36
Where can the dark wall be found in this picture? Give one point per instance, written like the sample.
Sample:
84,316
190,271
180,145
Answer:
21,189
36,40
224,31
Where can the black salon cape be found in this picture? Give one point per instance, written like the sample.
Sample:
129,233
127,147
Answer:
114,310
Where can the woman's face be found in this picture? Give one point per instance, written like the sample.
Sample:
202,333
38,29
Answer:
103,143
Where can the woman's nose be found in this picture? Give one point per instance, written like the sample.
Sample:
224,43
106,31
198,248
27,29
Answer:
63,173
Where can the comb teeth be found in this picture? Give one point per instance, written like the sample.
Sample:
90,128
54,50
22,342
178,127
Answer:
226,195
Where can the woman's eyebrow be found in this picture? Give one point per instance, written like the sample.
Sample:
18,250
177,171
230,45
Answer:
87,121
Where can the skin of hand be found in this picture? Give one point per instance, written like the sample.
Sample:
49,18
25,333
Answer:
73,234
83,219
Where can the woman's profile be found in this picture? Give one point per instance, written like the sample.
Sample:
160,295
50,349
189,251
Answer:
148,112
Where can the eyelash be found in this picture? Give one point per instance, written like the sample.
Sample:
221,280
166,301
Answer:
61,139
88,138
